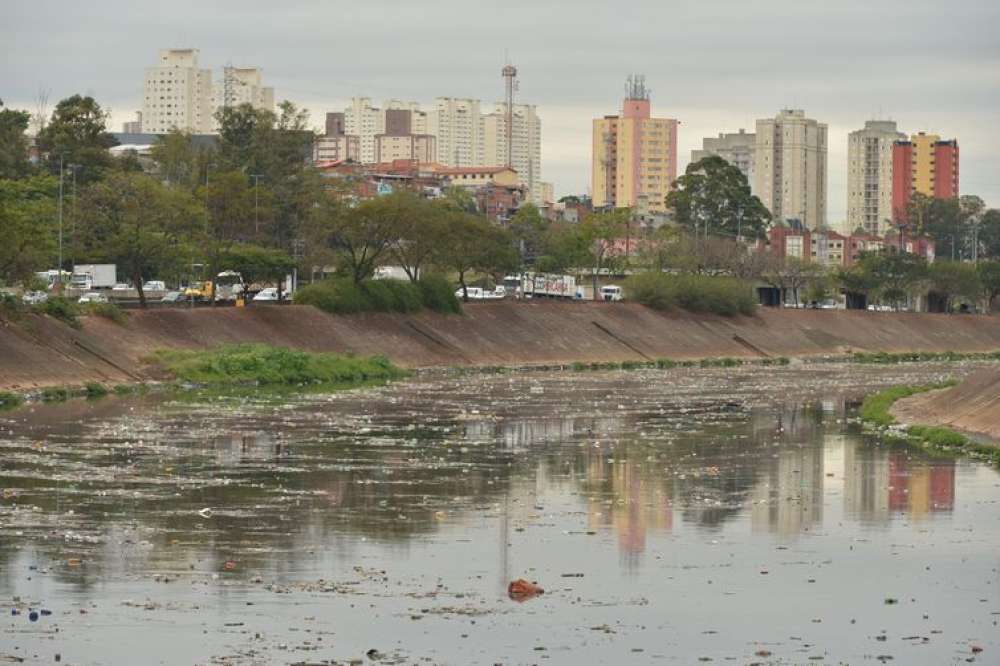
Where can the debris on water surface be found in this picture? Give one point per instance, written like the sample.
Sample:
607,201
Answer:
522,590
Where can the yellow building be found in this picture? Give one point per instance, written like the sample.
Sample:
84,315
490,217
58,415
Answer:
634,159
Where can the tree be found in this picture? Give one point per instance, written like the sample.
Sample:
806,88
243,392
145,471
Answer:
952,281
134,221
528,227
258,264
473,244
76,135
790,274
989,279
27,220
181,163
600,232
713,197
989,233
896,274
420,233
565,248
858,284
13,143
359,237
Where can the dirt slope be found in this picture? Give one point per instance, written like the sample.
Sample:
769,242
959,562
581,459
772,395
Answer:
972,406
40,351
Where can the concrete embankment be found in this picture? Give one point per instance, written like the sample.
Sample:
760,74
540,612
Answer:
39,351
973,406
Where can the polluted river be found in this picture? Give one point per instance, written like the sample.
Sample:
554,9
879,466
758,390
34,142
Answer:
729,515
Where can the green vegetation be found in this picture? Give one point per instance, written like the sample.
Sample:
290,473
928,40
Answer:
9,400
94,390
61,308
265,365
888,358
344,296
55,394
695,293
106,310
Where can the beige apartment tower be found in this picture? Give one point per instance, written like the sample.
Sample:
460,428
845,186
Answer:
737,148
526,145
634,158
177,94
790,167
869,177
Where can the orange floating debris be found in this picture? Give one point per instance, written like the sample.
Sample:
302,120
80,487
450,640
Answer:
522,590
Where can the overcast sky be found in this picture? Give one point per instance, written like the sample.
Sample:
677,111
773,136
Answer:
716,65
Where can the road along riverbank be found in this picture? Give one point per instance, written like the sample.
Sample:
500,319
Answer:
39,351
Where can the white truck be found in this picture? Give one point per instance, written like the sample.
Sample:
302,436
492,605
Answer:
548,285
94,276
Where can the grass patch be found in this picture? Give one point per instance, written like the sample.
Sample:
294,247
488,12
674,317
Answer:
266,365
61,308
694,293
106,310
344,296
94,390
887,358
9,400
875,407
55,394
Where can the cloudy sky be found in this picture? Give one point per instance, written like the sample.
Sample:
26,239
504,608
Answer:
716,65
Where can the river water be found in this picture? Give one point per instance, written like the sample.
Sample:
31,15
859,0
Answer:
682,516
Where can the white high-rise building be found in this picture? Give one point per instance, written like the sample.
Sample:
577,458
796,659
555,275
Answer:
243,85
364,121
526,140
790,167
458,125
869,176
177,94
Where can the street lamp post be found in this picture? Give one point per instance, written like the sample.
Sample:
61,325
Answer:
59,267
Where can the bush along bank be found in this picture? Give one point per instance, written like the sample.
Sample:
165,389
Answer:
263,365
344,296
887,358
875,412
695,293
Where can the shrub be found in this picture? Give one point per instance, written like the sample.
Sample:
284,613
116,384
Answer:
61,308
94,390
438,294
695,293
106,310
407,296
11,307
262,364
55,394
9,400
339,296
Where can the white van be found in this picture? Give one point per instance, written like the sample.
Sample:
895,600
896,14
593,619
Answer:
611,292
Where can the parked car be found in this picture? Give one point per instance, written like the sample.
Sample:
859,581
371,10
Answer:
172,297
154,285
269,294
611,292
121,286
93,297
34,297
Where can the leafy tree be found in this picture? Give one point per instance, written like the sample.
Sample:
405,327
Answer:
989,279
13,143
896,274
528,227
600,232
421,231
360,238
713,197
790,274
77,134
259,264
953,281
565,248
134,221
180,161
858,283
459,198
989,234
473,244
27,220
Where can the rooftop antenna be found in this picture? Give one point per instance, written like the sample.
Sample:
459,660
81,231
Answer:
509,74
635,87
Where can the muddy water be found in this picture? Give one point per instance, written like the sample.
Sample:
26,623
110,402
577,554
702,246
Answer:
726,515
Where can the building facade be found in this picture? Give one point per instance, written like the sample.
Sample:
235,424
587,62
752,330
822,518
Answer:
790,169
869,176
526,145
243,85
364,121
634,156
177,94
924,164
458,125
737,148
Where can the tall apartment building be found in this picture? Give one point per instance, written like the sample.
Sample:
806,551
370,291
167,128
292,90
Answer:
336,145
790,167
634,160
526,145
364,121
401,142
133,126
177,94
869,176
736,148
458,125
243,85
924,164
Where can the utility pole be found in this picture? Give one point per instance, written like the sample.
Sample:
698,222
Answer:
256,202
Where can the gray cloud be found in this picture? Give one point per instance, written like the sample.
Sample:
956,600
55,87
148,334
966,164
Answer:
714,65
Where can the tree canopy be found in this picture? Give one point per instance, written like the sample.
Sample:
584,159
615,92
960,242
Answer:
713,197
